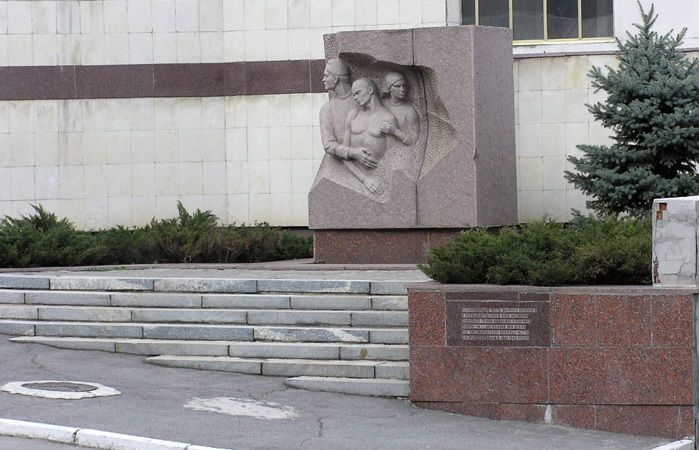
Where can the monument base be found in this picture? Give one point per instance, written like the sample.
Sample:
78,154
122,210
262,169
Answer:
407,246
617,359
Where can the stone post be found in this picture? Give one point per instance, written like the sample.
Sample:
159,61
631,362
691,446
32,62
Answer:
675,226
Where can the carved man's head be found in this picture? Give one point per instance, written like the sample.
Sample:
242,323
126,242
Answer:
395,85
335,72
363,90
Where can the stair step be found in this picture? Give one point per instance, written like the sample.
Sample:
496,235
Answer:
205,332
212,316
345,302
62,282
287,367
276,350
369,387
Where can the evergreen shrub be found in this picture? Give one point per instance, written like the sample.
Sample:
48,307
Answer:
40,239
651,110
588,251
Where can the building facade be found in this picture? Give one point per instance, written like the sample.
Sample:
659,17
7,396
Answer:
113,110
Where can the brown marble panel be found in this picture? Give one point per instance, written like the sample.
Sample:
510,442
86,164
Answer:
37,83
502,324
478,374
686,421
574,416
317,69
189,80
235,78
524,413
163,80
278,77
487,410
427,320
623,321
621,376
372,246
127,81
573,321
643,420
673,321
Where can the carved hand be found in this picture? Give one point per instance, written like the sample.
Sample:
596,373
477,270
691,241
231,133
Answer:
373,185
363,157
388,128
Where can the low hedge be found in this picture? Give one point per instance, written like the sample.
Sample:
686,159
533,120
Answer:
588,251
41,239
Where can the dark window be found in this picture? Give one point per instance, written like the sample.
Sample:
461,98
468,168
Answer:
543,19
527,19
562,17
597,18
468,12
494,13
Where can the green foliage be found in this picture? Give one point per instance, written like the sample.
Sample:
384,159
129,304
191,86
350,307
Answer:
652,110
186,238
41,239
590,251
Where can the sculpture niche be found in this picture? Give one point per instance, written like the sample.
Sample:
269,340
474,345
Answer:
370,143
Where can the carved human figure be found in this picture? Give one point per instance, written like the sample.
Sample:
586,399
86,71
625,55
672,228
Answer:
408,122
336,79
364,136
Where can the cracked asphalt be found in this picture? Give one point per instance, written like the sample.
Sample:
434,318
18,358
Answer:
152,400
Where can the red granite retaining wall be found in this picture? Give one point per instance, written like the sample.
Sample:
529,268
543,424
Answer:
613,359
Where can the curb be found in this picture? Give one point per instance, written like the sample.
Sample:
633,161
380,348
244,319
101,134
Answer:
684,444
89,438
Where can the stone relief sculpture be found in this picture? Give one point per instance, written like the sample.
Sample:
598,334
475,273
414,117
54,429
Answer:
420,145
408,129
365,135
372,140
336,79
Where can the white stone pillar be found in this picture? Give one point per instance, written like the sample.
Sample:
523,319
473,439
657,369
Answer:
675,226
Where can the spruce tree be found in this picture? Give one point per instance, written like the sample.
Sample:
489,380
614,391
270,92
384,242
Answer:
652,111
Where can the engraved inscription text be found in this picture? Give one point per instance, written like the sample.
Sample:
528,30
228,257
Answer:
496,324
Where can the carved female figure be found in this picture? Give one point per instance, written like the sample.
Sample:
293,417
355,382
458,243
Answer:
408,122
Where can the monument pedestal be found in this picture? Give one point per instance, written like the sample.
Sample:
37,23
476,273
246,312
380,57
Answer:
408,246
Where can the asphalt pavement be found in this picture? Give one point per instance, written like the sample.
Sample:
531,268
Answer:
254,412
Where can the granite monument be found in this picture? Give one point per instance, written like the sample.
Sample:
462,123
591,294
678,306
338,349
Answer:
418,135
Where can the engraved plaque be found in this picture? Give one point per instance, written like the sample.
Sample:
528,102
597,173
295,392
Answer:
497,323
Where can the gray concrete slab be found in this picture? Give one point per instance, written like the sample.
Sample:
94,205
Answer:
241,273
67,298
155,299
153,397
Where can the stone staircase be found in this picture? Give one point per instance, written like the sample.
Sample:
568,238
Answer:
330,335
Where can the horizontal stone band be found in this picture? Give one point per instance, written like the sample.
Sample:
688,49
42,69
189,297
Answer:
161,80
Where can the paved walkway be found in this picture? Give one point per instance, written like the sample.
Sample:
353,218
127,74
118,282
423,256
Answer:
152,400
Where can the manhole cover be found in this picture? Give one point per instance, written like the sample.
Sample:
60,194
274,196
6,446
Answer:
61,386
65,390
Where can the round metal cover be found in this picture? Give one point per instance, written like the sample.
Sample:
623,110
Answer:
59,389
61,386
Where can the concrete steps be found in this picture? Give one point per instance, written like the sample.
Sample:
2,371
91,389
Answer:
370,387
336,335
205,332
288,367
277,350
204,301
349,318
